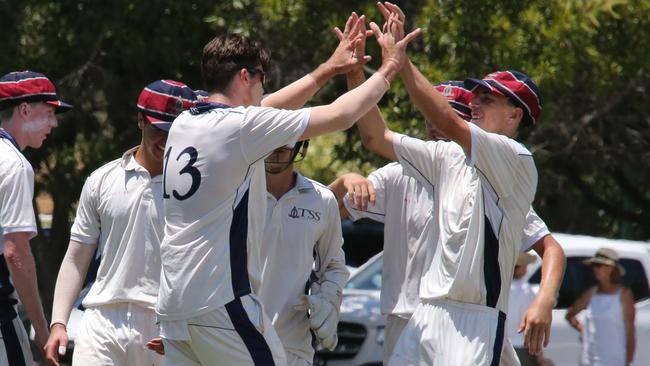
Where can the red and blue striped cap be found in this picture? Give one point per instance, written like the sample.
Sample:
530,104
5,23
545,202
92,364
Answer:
163,100
457,96
29,87
516,86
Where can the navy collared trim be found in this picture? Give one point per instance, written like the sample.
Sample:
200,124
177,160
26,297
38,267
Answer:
5,135
203,107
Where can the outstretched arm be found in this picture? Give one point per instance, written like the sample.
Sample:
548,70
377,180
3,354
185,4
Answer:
433,106
536,323
296,94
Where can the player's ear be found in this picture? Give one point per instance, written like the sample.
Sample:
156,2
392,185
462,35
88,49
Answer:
244,75
140,121
517,114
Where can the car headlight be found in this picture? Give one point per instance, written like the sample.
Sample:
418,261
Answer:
380,335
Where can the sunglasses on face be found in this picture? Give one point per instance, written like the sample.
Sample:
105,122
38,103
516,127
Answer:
255,71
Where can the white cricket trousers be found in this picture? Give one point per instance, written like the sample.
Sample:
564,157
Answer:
444,332
14,343
394,327
116,335
236,334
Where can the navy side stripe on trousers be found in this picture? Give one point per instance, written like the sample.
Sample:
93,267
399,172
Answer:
498,341
253,339
14,351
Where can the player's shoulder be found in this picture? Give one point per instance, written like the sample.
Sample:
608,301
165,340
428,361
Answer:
516,146
105,170
318,190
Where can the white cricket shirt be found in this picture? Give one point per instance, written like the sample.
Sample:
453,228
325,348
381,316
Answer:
302,233
121,209
406,208
16,191
215,206
481,204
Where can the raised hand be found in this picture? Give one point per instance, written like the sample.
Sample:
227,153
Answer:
392,40
350,53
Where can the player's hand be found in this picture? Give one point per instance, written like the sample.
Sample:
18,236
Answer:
350,53
360,191
156,345
536,326
323,304
392,40
56,345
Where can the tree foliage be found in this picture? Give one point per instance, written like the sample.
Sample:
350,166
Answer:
589,58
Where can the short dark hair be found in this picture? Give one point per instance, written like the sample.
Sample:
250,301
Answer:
225,55
6,113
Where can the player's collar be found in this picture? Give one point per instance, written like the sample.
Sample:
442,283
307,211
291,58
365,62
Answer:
303,184
5,135
128,160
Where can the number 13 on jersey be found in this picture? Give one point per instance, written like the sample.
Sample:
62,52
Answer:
188,170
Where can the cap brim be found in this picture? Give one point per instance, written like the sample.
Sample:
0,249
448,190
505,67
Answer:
473,83
591,261
59,106
158,123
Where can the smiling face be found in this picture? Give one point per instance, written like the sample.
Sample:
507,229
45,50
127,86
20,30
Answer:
38,121
494,113
153,140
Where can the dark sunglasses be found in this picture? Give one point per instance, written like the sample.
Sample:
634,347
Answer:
255,71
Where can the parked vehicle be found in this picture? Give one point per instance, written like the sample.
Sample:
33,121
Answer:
361,327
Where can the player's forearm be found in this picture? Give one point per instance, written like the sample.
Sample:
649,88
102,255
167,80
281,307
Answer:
298,93
553,265
433,106
22,267
70,279
345,110
375,136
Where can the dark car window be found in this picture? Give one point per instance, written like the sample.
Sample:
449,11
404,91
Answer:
368,278
579,277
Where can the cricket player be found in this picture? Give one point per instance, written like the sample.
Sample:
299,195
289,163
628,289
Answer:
28,108
405,207
407,243
484,185
120,212
303,249
215,196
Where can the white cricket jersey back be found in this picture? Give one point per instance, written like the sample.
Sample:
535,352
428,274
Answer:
481,204
16,190
215,201
406,208
121,209
302,233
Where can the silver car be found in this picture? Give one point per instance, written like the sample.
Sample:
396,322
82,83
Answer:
361,330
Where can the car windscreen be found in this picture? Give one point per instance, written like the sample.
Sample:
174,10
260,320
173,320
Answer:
368,278
578,277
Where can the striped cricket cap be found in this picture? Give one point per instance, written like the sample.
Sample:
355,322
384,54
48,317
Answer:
163,100
29,87
457,96
517,87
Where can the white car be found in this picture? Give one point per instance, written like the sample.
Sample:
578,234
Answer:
362,326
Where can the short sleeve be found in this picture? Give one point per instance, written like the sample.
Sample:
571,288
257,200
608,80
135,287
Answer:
505,163
265,129
419,159
16,196
534,230
86,227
